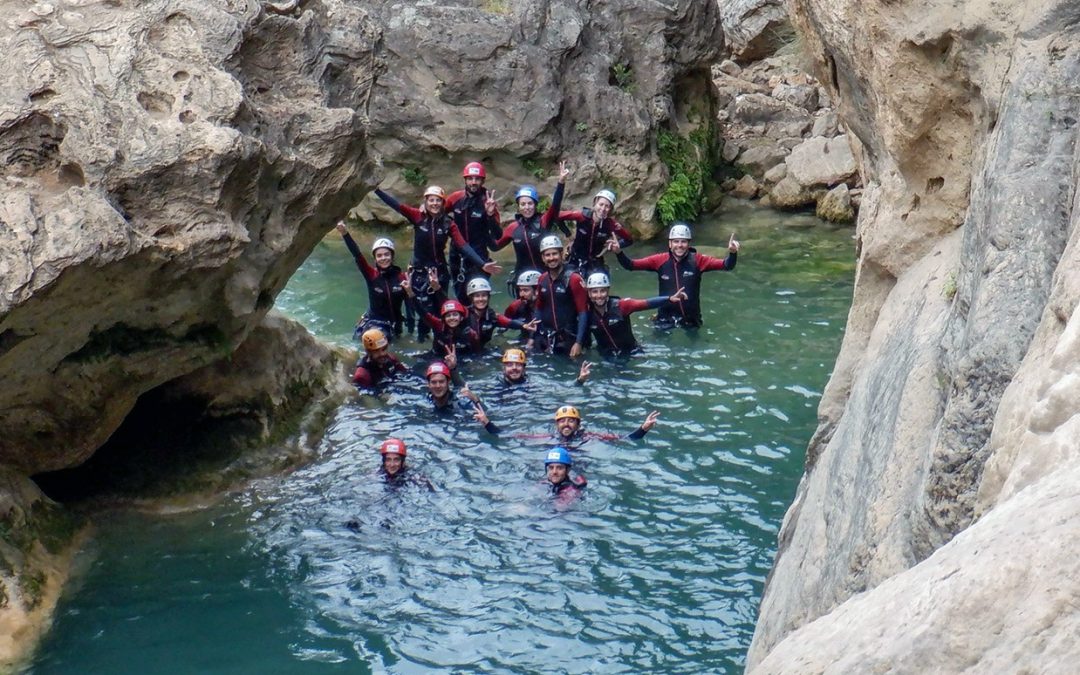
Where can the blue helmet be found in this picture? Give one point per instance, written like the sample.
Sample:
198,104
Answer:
559,455
527,191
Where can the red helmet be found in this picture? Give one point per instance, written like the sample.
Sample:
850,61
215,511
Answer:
392,446
473,169
452,306
437,368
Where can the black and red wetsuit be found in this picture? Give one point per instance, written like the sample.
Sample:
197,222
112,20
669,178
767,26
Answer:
568,489
430,235
676,275
587,249
484,323
562,306
526,234
478,229
581,436
371,373
611,324
385,294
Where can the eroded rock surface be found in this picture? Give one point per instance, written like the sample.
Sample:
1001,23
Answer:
935,517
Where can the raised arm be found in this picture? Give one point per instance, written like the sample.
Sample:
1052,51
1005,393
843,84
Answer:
413,215
365,267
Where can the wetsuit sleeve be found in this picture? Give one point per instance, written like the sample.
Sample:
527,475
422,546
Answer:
428,318
708,263
365,267
637,434
463,246
622,234
506,237
553,210
628,306
453,198
651,263
411,214
581,304
503,321
511,309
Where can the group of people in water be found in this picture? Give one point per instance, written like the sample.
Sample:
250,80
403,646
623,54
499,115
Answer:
562,299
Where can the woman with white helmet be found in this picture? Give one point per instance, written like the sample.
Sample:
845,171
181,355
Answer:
385,294
679,271
433,227
609,316
530,226
595,227
483,320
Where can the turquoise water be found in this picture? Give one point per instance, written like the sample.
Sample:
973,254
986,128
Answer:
660,568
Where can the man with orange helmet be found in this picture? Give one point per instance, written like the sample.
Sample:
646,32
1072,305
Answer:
476,214
378,364
433,227
569,432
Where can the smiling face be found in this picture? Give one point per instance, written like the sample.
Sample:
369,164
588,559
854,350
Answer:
527,293
480,300
513,372
598,296
567,426
392,463
526,207
439,385
380,355
433,204
679,247
383,258
473,184
552,258
556,473
601,209
452,319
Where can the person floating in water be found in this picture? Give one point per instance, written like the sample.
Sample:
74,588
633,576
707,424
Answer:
595,227
476,214
385,295
679,270
444,399
394,472
514,362
377,365
557,464
562,303
433,227
569,431
609,317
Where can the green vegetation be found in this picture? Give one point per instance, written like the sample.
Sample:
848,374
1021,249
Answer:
582,127
414,175
496,6
949,287
622,76
690,162
533,167
544,205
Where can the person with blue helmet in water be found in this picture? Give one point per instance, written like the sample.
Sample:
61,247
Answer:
557,464
530,226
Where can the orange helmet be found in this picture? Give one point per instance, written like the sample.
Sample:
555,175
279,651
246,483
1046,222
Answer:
436,191
374,339
514,356
567,411
392,446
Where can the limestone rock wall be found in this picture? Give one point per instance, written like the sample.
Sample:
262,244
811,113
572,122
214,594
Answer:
934,515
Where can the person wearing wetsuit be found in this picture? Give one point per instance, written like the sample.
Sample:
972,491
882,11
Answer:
561,305
569,431
595,227
679,271
524,307
433,227
449,328
445,402
476,215
483,320
609,317
394,472
385,295
529,227
557,464
378,365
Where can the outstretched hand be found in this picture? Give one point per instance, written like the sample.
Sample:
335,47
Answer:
340,227
586,369
532,325
564,171
733,244
650,421
492,268
490,205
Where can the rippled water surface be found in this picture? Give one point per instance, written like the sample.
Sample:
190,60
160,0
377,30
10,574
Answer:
658,569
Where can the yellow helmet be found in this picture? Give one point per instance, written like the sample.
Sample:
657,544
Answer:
567,411
373,339
514,356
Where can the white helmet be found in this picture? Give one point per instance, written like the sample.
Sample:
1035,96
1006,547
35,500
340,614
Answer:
606,194
679,230
550,241
598,280
382,242
478,285
529,278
